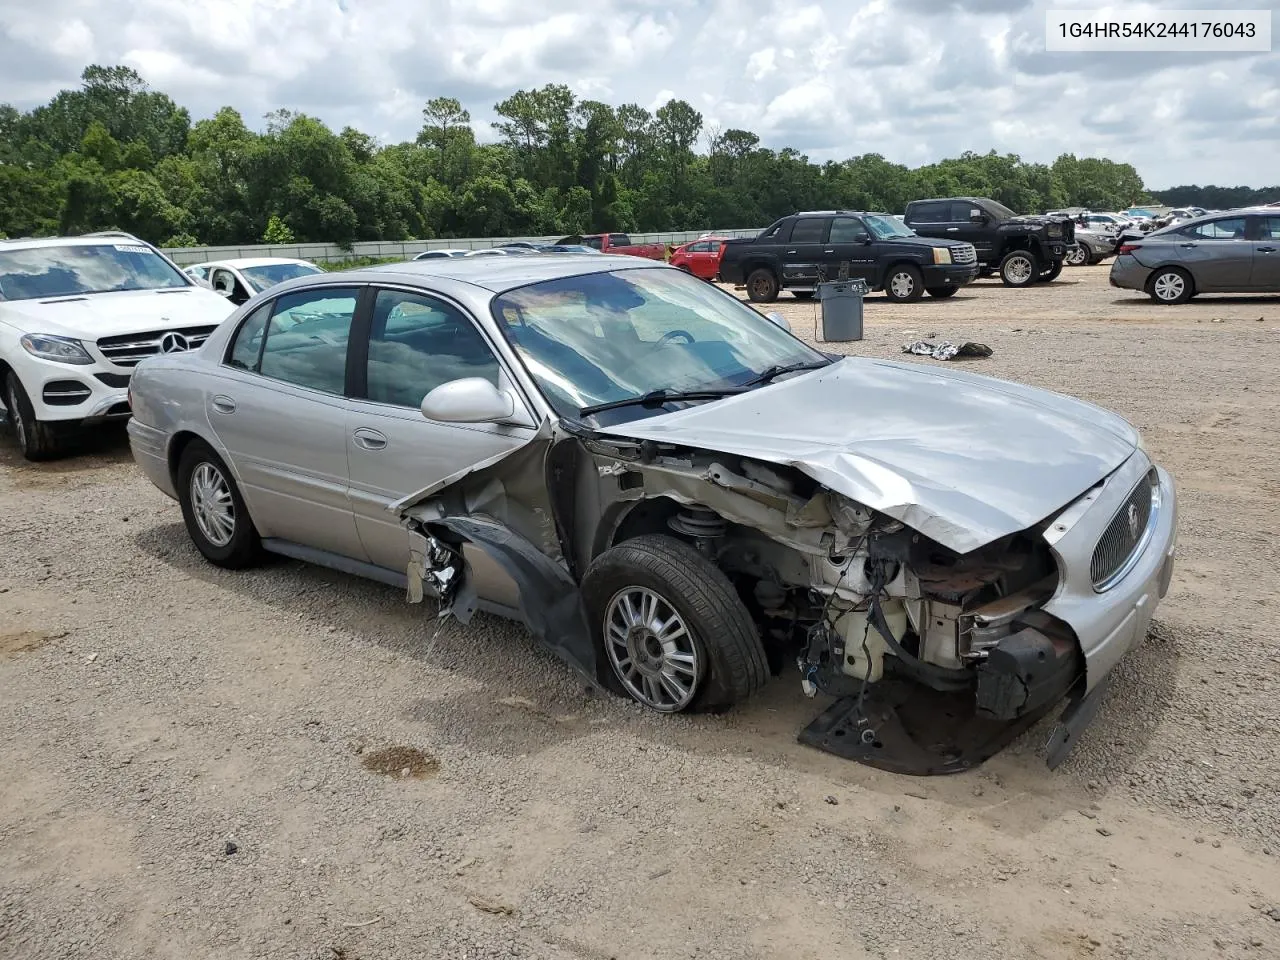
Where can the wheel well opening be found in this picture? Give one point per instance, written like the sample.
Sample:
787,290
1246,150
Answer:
648,516
1019,244
179,443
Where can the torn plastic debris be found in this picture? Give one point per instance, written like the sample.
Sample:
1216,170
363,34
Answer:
946,350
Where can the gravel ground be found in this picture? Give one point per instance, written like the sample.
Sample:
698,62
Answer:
196,760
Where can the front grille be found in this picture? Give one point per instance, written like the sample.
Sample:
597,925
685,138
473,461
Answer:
114,379
964,253
127,350
65,393
1125,535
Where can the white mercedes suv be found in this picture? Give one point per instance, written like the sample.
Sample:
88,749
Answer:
76,315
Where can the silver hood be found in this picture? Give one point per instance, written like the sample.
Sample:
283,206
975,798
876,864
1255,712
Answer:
961,458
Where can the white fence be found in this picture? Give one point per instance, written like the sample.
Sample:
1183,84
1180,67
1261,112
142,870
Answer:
329,252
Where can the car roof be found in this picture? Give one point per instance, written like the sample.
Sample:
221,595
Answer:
497,274
249,262
31,243
833,213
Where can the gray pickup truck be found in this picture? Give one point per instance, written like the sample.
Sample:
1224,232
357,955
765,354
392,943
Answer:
799,251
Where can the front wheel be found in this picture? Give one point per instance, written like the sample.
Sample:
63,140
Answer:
762,286
214,512
904,284
1077,256
1052,273
37,439
674,631
1019,268
1170,285
942,292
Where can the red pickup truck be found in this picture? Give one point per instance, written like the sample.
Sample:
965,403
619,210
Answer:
620,243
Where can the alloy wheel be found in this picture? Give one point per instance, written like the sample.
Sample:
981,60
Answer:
1018,269
902,284
651,649
1169,286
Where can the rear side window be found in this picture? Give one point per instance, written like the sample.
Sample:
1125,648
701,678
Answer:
931,211
247,345
619,240
1269,228
307,339
594,243
809,230
1231,228
700,247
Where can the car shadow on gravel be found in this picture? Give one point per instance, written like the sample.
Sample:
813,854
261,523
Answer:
106,446
512,697
1220,299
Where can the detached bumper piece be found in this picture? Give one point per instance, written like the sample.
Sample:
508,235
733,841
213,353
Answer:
905,728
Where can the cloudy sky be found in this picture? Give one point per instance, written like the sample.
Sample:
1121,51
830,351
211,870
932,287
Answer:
915,80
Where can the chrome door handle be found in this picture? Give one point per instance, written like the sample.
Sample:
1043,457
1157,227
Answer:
223,404
828,251
1187,246
369,439
953,229
790,251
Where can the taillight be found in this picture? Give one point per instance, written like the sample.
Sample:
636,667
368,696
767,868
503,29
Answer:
1129,247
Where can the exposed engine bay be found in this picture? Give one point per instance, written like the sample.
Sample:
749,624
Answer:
936,659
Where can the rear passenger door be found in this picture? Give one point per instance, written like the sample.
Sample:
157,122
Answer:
278,410
415,342
1218,253
804,257
929,218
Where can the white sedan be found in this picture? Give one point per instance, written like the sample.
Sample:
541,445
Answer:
239,280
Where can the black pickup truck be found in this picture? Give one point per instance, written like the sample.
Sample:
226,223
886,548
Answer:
799,251
1025,250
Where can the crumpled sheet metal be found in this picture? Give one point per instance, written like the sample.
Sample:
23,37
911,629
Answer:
946,350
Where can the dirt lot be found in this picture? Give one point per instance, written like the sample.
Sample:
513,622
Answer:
192,768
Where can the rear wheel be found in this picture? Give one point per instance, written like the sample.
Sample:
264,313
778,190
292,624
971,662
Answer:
1171,285
674,632
1019,268
37,439
762,286
215,514
904,284
942,292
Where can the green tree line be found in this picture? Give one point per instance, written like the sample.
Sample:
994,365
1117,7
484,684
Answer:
115,154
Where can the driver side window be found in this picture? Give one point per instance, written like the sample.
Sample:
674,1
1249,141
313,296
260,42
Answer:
848,230
416,343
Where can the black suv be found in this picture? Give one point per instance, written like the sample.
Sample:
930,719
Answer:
801,250
1025,250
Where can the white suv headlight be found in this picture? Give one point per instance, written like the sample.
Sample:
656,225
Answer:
58,349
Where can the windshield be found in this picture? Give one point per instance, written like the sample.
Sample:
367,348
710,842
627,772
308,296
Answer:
270,274
37,273
1000,210
886,228
615,336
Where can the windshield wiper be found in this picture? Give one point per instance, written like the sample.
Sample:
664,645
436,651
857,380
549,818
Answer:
656,398
778,369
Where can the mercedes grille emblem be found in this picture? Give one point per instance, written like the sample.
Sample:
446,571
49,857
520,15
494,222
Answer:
173,343
1133,520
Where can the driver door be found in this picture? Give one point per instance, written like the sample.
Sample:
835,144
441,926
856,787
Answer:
226,283
414,343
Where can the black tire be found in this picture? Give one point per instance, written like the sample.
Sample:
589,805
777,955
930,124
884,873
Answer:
1171,286
903,283
244,548
802,294
731,661
1051,274
942,292
1078,256
37,439
762,286
1019,268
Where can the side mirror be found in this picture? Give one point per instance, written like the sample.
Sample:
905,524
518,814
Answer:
977,216
468,400
223,292
779,319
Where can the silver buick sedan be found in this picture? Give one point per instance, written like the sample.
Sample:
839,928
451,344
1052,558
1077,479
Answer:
676,495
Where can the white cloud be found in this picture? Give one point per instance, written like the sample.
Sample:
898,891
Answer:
914,80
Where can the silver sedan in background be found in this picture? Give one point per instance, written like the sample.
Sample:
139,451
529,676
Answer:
1233,252
675,494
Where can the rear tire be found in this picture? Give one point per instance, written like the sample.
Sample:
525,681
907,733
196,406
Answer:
217,519
1171,286
1019,268
762,286
37,439
707,648
942,293
903,283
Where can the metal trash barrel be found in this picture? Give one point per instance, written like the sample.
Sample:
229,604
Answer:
842,309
